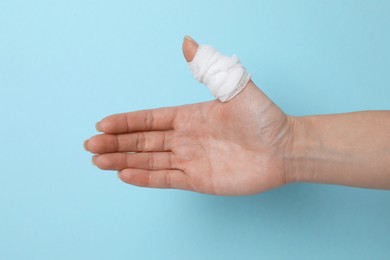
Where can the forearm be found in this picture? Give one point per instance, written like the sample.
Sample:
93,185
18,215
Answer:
347,149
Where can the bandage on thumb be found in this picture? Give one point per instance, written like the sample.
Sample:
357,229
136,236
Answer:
224,76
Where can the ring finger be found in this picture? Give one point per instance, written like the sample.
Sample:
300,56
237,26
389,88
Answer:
147,161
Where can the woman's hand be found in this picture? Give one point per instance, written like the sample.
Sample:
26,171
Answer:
232,148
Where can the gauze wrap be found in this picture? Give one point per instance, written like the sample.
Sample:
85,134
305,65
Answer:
224,76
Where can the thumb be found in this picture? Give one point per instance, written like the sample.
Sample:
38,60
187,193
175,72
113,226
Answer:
224,76
189,48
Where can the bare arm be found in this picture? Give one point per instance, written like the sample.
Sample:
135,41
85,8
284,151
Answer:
348,149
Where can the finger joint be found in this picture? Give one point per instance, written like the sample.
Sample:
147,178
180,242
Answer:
141,142
149,120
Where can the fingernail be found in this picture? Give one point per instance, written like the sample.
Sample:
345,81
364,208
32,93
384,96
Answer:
189,48
189,38
97,126
85,145
93,160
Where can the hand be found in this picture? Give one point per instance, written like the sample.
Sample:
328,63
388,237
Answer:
233,148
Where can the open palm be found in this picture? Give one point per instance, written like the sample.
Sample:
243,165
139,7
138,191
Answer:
231,148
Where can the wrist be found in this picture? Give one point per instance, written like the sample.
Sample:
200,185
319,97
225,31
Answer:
299,153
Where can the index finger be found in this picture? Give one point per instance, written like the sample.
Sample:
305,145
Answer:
159,119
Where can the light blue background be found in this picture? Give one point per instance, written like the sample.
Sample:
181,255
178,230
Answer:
66,64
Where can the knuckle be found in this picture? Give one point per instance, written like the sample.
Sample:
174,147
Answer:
149,120
141,142
148,179
116,143
168,179
151,161
126,162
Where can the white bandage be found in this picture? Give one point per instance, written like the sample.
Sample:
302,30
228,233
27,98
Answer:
224,76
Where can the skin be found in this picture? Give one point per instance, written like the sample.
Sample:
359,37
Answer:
244,146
